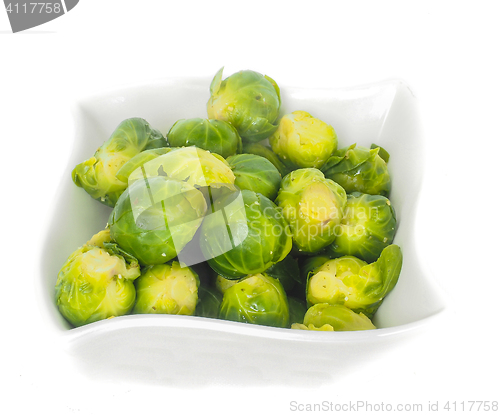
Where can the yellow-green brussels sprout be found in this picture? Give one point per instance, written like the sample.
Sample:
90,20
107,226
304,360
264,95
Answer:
215,136
313,206
255,173
359,169
265,151
367,227
352,282
154,219
256,299
326,317
97,175
170,288
303,140
96,283
247,100
245,234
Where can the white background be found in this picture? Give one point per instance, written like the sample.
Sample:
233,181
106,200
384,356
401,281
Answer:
446,51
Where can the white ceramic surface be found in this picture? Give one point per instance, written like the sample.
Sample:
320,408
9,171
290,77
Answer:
189,351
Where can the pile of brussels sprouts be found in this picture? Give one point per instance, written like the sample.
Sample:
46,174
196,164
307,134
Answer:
245,215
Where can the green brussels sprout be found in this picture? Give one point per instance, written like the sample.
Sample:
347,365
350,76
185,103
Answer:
352,282
327,317
96,283
297,309
170,288
209,300
192,165
367,227
247,100
265,151
359,169
255,173
215,136
256,299
154,219
286,271
97,175
245,234
303,140
313,207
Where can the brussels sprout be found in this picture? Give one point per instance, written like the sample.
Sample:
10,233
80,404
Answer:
260,149
245,235
286,271
297,309
170,288
154,219
255,173
328,317
256,299
192,165
367,227
97,175
215,136
313,207
352,282
303,140
209,300
359,169
247,100
95,283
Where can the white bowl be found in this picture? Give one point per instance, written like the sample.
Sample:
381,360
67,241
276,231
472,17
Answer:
193,350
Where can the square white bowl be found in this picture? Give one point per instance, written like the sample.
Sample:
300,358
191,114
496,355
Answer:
194,350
